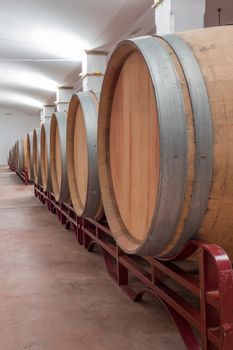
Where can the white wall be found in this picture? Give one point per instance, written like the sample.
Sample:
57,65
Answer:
179,15
212,15
188,14
13,128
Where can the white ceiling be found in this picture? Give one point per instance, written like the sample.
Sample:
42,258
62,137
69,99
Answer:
41,42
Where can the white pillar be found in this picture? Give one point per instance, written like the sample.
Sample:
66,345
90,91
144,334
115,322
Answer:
93,69
178,15
46,112
64,94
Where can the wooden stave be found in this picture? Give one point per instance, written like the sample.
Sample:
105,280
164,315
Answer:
93,205
61,193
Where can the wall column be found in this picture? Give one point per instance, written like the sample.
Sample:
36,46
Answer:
46,112
178,15
93,69
64,94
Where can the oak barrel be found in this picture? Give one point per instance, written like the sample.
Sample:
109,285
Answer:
58,166
81,150
45,156
11,158
30,155
165,141
36,151
25,155
14,156
20,155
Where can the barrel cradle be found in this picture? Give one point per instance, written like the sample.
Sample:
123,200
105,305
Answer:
165,141
82,155
45,156
58,157
37,156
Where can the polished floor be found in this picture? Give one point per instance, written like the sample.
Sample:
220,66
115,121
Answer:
56,296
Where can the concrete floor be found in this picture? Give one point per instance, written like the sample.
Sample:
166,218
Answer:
56,296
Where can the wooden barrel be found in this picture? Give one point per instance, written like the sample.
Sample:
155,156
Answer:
25,154
82,164
36,156
45,156
15,156
58,157
12,164
10,158
165,141
20,155
30,155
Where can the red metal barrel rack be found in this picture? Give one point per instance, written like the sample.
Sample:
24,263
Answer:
212,285
23,175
